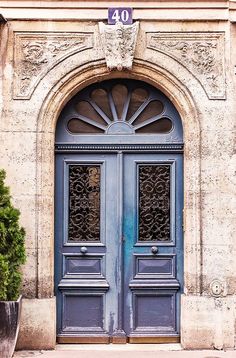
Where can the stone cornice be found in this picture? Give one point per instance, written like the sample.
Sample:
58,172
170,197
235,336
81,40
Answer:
81,10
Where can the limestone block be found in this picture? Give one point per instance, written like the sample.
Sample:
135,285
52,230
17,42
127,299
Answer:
27,206
45,163
218,231
230,281
207,323
216,264
192,230
45,207
45,243
217,144
217,176
218,205
18,157
29,270
45,272
192,266
217,117
37,329
17,117
218,236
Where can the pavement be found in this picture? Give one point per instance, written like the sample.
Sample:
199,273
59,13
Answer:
124,351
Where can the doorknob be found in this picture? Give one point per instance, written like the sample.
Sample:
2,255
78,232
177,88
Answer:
83,250
154,250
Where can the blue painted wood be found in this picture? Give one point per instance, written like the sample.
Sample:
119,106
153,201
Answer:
83,311
152,285
161,266
76,265
126,269
84,282
153,313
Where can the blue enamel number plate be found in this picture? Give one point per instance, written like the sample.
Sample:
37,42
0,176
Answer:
120,14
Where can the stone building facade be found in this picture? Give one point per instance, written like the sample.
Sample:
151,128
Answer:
52,50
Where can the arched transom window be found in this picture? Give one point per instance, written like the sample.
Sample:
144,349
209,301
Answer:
120,107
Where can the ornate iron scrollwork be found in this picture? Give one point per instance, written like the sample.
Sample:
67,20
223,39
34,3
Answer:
154,203
84,203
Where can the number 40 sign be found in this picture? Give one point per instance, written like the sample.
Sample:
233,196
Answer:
121,14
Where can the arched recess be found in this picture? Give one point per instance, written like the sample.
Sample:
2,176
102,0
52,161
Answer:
180,96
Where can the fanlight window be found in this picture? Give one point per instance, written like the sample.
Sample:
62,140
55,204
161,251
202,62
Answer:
119,107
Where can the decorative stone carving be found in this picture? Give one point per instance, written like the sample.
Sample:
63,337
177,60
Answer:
36,53
201,53
119,44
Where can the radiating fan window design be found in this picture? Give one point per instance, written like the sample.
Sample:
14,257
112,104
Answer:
120,107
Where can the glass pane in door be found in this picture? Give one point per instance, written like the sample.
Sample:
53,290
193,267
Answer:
154,202
84,203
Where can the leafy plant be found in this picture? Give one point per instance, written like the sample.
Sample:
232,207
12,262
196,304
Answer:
12,250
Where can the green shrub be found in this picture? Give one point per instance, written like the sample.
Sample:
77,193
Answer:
12,250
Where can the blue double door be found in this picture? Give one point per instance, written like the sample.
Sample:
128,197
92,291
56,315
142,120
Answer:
118,245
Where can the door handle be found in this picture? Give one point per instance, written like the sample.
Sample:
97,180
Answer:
83,250
154,250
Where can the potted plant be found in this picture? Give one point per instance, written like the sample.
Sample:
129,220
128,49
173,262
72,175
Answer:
12,255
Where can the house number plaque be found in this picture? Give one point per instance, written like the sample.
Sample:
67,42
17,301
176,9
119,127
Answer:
120,14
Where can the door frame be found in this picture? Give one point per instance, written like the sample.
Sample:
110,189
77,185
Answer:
116,149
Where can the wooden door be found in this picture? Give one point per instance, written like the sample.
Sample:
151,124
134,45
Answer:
118,222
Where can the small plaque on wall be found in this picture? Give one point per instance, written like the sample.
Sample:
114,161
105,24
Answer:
120,14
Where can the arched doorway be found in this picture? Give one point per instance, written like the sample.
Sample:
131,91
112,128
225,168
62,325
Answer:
119,199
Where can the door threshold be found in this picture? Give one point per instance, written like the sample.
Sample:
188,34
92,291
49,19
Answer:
153,340
83,340
117,340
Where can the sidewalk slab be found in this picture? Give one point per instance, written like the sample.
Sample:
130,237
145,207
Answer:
124,351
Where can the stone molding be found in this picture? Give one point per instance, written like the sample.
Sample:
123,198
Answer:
36,53
200,53
119,43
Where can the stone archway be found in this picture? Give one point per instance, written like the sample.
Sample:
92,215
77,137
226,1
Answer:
181,98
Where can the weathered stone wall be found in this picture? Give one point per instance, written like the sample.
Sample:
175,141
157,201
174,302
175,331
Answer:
44,63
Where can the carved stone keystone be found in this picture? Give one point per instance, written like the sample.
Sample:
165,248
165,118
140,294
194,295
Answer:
119,44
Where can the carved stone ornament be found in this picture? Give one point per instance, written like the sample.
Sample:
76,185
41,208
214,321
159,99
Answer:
201,53
36,53
119,44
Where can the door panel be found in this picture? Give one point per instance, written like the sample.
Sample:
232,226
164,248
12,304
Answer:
162,266
86,240
154,311
118,246
152,244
